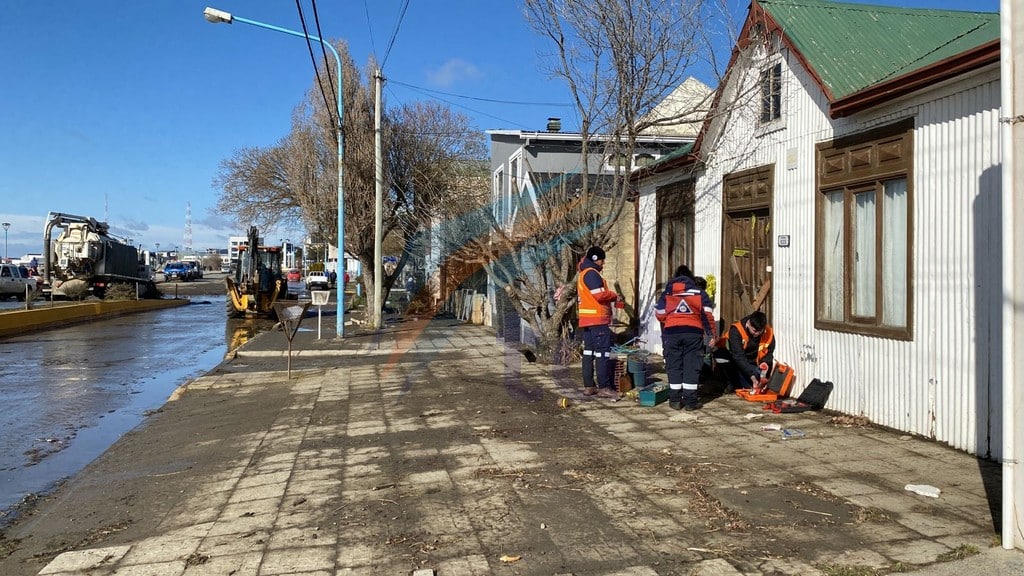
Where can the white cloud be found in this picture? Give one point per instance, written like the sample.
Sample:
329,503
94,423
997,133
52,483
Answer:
451,72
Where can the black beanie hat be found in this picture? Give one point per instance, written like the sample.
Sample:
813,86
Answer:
594,254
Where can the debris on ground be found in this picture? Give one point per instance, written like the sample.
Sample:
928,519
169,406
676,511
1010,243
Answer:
923,490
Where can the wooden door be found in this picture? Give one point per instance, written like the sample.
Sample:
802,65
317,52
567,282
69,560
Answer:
746,245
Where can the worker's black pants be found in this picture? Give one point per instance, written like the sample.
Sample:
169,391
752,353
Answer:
597,353
684,358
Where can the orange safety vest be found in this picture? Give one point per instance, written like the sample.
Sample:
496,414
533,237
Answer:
591,311
762,346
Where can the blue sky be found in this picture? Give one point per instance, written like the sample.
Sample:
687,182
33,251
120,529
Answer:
123,110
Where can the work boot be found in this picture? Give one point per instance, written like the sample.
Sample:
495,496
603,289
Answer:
589,391
675,405
693,407
608,393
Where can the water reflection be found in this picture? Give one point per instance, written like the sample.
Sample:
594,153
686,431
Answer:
238,331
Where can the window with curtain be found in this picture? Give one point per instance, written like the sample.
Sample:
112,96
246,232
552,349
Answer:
863,282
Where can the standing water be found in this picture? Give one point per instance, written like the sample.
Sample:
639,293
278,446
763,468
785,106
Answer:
70,393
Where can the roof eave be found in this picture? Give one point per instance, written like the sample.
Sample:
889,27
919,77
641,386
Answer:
942,70
684,160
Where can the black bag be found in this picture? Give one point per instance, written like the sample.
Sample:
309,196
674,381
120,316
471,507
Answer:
814,397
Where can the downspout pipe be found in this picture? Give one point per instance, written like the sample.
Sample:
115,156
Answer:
1011,294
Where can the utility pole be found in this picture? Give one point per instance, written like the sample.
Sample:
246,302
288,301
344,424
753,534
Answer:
378,221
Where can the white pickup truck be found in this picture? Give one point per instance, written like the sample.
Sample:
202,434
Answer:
13,280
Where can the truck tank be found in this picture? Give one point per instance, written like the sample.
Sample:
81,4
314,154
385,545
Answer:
85,257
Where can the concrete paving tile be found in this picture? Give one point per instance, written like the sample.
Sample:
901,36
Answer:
231,524
354,555
934,526
222,564
300,536
176,568
160,549
844,487
362,471
470,565
270,493
872,532
98,559
853,558
298,560
817,471
252,480
786,567
912,551
244,508
642,571
232,544
893,502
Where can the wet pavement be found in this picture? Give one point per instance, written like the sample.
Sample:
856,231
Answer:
435,449
69,393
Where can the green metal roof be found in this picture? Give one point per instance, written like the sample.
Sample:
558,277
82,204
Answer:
854,46
677,153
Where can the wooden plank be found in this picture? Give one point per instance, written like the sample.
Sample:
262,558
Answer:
762,294
744,295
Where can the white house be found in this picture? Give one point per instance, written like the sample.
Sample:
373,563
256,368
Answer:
848,183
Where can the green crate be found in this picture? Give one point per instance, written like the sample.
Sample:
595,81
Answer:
653,396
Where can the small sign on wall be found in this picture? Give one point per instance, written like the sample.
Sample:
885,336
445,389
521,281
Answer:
783,240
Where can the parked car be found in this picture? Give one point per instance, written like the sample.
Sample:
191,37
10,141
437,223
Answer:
195,269
294,275
317,280
177,272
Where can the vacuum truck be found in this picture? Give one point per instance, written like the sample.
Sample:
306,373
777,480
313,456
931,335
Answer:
85,259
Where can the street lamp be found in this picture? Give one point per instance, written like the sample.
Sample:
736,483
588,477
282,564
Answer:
221,17
7,226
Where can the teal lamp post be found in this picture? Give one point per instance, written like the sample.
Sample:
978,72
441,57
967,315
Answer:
221,17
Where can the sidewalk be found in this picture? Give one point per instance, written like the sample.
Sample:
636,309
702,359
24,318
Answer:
433,447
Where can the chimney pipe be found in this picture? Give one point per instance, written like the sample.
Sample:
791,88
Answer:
554,124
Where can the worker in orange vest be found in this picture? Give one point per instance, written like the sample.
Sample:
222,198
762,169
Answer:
594,310
748,344
685,312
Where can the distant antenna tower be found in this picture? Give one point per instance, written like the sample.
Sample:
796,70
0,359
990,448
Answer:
188,227
106,215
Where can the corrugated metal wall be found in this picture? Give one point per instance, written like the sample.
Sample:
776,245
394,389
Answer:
944,383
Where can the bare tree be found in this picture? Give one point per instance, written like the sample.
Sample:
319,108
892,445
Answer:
619,59
295,181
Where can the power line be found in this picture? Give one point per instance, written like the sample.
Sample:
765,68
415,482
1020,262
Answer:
369,28
518,103
459,106
323,50
319,82
398,24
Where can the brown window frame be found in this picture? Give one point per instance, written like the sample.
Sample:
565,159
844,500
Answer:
855,164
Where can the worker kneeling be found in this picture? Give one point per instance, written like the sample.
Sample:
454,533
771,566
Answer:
745,354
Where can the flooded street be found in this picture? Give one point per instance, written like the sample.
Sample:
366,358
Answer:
69,393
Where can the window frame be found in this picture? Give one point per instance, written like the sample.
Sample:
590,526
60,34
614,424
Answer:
771,94
499,194
851,165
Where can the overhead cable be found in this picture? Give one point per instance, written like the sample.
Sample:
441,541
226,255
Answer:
319,82
323,50
398,24
514,102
